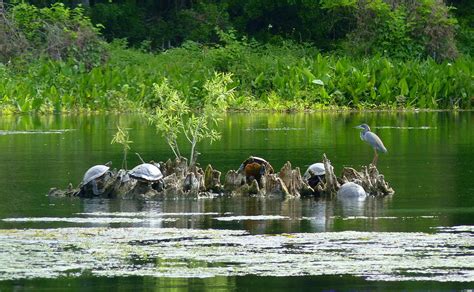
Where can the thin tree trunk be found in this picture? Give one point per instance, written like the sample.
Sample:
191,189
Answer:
124,162
172,149
177,148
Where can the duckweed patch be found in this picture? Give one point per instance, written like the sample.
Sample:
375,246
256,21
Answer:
254,218
445,256
89,220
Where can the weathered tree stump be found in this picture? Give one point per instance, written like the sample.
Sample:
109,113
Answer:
275,186
191,184
292,179
233,180
181,180
332,185
173,186
212,179
179,166
370,179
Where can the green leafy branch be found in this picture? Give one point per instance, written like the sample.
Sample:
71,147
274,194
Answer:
122,137
174,117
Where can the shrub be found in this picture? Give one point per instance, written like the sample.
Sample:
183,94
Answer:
58,32
401,28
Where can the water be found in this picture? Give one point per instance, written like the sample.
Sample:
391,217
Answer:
420,238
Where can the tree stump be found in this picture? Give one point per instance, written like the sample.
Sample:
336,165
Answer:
275,185
233,180
331,185
292,179
181,180
212,179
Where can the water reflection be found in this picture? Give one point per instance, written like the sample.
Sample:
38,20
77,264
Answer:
254,214
429,166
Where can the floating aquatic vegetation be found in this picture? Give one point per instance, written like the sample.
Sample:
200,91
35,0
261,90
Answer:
145,214
462,228
384,217
254,218
171,252
91,220
2,132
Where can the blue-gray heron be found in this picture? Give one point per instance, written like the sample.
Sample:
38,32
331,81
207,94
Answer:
373,140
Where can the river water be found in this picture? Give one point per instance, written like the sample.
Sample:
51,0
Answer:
419,238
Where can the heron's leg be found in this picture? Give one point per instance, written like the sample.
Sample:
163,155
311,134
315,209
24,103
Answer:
376,156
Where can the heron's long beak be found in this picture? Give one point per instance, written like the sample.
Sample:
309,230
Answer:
358,127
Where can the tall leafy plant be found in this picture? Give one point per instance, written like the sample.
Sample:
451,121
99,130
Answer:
122,137
173,116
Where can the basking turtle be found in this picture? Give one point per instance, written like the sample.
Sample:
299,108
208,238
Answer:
148,173
254,167
315,174
93,177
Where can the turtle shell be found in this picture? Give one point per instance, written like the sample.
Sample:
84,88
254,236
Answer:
315,169
253,169
257,160
146,171
94,172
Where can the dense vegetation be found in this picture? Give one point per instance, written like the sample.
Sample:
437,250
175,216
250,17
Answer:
279,55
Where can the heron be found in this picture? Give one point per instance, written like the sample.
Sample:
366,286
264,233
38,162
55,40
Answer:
374,141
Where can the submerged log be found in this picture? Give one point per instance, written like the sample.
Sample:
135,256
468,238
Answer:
182,180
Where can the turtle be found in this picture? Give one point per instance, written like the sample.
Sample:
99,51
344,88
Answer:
315,169
146,172
92,175
254,167
315,174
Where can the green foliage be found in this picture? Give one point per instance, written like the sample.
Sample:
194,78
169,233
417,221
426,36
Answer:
173,116
395,28
199,24
170,109
172,27
122,137
58,32
401,28
275,77
120,20
464,11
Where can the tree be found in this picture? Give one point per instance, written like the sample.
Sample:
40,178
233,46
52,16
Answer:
174,117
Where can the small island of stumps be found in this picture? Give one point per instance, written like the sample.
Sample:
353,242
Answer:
255,177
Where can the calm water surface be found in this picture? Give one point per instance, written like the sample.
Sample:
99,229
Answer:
429,164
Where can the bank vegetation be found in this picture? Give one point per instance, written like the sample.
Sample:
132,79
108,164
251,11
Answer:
393,55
